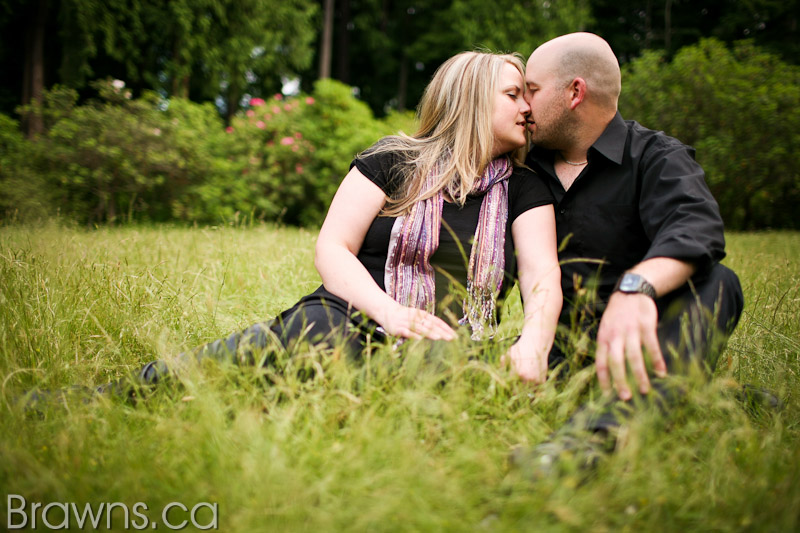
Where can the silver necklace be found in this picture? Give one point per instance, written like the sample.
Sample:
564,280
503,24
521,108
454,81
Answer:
573,163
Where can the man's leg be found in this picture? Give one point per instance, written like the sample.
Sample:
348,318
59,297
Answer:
696,320
694,324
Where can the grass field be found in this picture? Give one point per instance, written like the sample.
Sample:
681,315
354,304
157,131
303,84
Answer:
400,443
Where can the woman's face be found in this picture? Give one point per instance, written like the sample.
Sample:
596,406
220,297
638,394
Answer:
509,124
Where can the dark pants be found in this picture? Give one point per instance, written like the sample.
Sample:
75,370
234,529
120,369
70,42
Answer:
319,319
694,323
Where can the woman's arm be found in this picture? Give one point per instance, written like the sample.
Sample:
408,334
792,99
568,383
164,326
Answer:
534,234
357,202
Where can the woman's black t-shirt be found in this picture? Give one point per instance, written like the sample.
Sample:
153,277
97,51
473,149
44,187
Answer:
525,191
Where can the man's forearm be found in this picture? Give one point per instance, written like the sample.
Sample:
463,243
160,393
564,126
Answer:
664,273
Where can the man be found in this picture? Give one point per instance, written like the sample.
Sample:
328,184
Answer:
635,219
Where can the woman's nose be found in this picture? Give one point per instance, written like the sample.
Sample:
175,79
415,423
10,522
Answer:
524,107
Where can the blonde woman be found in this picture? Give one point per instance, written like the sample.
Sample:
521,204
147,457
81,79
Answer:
451,205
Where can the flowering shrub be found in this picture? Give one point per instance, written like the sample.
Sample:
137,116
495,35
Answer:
291,153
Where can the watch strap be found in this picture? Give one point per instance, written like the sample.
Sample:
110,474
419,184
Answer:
631,283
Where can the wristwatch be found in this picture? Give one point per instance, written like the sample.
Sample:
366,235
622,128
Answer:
634,283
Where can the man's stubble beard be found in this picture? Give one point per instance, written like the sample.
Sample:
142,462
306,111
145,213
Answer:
559,133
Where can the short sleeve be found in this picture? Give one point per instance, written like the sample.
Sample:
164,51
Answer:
678,212
526,190
380,168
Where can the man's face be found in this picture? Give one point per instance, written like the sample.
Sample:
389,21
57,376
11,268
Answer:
549,122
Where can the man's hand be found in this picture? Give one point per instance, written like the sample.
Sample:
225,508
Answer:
628,323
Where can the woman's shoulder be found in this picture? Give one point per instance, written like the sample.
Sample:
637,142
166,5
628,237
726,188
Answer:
386,150
523,172
526,190
525,177
380,163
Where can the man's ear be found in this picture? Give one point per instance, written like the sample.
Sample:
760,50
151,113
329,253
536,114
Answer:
576,92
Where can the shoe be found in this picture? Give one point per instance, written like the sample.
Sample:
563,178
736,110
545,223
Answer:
756,399
565,453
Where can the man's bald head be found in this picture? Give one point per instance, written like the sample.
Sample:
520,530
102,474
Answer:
582,55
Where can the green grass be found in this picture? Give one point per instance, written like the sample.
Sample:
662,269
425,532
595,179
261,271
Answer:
401,443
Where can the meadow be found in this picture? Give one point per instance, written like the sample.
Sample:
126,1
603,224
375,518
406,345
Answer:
402,442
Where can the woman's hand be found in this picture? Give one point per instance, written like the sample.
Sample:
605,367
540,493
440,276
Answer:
412,323
528,363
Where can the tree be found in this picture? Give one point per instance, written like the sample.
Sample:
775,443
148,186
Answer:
204,48
190,48
392,47
632,26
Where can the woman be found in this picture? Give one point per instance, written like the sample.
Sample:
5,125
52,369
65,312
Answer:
386,265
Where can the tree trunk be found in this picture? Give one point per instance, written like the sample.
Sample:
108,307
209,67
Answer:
402,83
343,43
648,23
184,92
33,77
176,62
232,103
327,42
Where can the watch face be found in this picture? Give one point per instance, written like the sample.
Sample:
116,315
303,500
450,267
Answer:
629,283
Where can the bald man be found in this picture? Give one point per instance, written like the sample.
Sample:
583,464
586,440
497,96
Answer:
638,226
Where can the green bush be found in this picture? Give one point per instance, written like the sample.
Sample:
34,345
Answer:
740,109
23,193
117,158
121,159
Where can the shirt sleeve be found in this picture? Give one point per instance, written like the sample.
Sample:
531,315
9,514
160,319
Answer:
380,168
677,210
526,190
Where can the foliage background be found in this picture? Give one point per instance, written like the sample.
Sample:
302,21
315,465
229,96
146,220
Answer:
156,149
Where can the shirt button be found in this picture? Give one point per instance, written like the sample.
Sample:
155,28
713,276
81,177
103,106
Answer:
562,211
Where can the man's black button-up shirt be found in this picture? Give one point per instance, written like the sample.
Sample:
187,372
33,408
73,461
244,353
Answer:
641,195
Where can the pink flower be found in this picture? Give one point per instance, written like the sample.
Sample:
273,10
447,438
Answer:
278,96
287,107
295,148
276,109
255,102
250,113
286,141
310,100
298,169
229,129
260,125
267,116
298,135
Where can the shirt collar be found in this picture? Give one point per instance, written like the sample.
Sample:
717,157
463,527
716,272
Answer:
611,143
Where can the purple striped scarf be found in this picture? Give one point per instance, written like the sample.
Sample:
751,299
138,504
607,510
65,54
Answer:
409,277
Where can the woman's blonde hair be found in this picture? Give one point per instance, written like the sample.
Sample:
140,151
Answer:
455,130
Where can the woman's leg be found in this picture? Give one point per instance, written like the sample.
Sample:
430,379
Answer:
314,320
